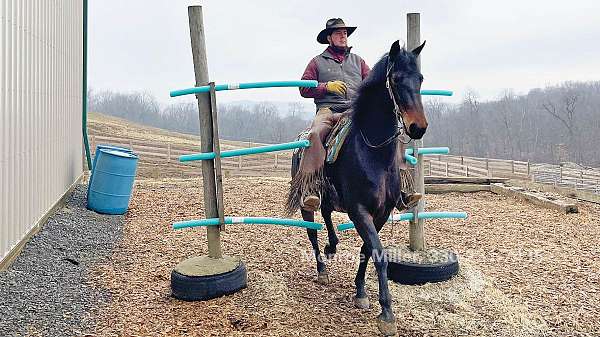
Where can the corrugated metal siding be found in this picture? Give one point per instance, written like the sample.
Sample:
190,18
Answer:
40,110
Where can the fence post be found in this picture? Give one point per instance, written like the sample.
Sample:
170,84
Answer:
416,230
462,160
466,171
275,160
512,166
561,174
240,162
206,130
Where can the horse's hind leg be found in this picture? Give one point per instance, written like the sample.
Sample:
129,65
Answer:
330,248
322,275
361,300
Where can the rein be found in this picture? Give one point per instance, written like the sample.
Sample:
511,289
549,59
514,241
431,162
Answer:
399,113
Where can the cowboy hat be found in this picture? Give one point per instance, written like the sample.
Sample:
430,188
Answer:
330,26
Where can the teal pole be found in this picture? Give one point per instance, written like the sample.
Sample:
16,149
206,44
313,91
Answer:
84,87
248,220
411,159
410,216
429,150
250,85
247,151
437,92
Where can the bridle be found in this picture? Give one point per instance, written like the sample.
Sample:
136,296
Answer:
397,110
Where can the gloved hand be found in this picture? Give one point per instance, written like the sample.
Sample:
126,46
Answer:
336,87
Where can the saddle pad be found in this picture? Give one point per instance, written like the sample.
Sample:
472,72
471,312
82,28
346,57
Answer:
336,138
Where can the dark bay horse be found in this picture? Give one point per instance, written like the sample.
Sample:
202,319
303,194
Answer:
364,181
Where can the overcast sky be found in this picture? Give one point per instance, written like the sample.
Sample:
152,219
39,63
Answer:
486,46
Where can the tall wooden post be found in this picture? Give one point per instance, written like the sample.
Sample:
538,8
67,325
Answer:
206,128
416,232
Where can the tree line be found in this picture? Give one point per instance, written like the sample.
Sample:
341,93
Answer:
552,124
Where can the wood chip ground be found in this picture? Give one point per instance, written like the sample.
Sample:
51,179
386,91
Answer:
525,271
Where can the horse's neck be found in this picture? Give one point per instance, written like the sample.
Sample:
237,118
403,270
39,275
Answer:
375,117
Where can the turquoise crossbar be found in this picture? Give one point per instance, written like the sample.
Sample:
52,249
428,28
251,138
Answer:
410,159
250,85
276,84
248,220
408,153
410,216
437,92
429,150
247,151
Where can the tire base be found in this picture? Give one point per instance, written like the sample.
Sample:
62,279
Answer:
411,273
206,287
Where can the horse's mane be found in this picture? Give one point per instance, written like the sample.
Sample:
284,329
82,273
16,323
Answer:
377,76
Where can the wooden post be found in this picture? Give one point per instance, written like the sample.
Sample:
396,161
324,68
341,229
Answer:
217,151
275,160
416,232
240,162
512,166
206,128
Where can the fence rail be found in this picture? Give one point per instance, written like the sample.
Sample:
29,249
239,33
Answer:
157,153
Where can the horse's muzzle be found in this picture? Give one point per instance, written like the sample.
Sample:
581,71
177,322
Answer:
416,132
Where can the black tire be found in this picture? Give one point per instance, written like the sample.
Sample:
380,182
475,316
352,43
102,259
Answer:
415,274
201,288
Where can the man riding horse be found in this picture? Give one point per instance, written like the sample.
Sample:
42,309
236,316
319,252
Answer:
339,74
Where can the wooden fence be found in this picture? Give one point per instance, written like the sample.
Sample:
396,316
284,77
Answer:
163,155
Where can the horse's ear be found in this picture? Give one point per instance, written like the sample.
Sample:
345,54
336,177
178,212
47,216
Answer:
394,50
417,50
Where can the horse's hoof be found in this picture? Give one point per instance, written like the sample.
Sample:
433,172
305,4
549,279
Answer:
329,251
361,302
323,278
387,328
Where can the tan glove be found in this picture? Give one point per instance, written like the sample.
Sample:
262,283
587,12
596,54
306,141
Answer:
336,87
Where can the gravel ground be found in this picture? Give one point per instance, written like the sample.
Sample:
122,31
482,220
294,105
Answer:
44,293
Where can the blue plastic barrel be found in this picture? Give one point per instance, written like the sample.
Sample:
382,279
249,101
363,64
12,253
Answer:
114,174
98,148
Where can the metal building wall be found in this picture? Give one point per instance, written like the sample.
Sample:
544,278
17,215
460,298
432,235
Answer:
40,110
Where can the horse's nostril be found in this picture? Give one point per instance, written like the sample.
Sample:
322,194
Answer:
416,132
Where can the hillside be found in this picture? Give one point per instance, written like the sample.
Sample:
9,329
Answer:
158,150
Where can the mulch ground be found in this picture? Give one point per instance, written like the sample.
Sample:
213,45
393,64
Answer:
525,271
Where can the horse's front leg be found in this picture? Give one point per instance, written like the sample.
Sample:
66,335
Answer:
322,275
363,221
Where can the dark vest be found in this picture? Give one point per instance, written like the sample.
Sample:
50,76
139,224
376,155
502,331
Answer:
348,71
